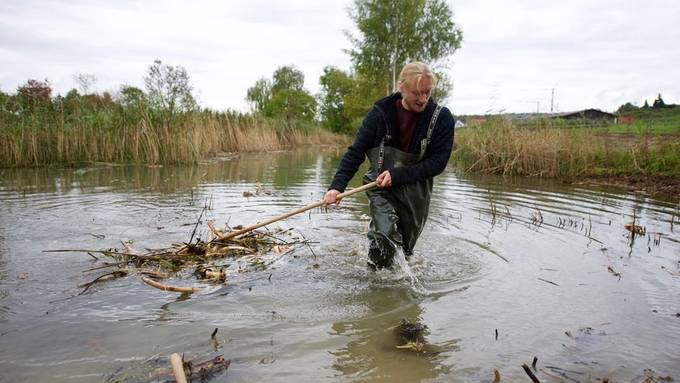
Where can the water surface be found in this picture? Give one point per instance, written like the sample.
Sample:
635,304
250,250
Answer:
549,266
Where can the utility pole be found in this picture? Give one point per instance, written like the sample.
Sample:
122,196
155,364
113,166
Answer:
552,99
538,106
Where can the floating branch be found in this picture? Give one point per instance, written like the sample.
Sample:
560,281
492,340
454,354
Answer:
164,287
102,278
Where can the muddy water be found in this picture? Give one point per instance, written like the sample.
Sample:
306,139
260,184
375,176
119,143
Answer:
549,266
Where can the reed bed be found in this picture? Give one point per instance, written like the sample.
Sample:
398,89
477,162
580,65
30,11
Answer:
541,150
184,139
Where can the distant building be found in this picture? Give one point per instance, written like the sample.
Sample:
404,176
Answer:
625,120
586,114
459,124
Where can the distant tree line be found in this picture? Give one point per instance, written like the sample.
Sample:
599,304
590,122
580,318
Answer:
657,104
390,35
168,95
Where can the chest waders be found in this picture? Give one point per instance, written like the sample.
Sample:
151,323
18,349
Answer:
398,213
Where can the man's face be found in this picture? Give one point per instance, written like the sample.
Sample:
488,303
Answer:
414,97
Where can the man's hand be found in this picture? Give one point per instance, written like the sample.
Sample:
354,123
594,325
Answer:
331,197
384,179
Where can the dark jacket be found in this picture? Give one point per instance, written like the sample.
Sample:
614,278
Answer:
382,120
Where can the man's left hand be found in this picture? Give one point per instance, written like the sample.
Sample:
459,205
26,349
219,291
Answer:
384,179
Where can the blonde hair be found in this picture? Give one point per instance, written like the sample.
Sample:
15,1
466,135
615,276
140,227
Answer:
413,72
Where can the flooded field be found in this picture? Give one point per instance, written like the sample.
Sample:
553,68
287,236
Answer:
506,270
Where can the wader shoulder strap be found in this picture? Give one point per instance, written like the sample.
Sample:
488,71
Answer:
381,153
430,129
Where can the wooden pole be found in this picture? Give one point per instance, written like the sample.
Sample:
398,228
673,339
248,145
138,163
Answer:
178,368
294,212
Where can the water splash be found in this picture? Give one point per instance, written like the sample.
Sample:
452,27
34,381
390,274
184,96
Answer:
400,260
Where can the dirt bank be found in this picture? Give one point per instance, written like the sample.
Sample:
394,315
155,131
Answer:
653,185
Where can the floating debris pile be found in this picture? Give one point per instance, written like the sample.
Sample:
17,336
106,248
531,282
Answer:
212,260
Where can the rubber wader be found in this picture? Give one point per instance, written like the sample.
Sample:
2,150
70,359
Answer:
398,213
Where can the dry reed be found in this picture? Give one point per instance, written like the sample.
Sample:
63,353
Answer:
185,140
500,147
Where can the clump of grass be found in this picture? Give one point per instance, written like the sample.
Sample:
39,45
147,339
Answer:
500,147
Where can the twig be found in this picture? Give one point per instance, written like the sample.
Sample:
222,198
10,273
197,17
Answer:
272,236
102,278
108,265
547,281
308,245
531,374
196,226
164,287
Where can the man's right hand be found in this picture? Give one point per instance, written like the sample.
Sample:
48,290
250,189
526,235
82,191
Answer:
331,197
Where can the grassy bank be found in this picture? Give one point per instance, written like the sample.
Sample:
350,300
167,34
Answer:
499,147
102,137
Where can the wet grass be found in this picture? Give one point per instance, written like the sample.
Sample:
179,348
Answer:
544,150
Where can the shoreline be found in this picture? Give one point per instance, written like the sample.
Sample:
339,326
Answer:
653,185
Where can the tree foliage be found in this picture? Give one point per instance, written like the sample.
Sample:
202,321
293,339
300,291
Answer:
336,87
169,89
288,78
658,103
282,97
291,104
393,33
627,108
259,94
85,81
34,92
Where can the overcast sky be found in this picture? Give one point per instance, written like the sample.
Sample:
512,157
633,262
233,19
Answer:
592,53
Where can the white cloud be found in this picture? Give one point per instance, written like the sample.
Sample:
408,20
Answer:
595,54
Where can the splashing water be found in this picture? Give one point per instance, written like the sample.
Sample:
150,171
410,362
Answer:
400,260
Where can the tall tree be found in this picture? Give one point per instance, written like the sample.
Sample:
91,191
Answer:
34,94
259,94
391,33
336,86
282,97
85,81
169,88
288,77
658,103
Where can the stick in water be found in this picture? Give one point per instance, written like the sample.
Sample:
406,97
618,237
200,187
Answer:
163,287
178,368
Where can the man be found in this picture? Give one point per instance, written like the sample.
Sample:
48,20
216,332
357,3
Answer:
408,139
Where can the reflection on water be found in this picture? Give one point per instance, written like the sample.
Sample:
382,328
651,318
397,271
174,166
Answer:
372,353
280,170
534,260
